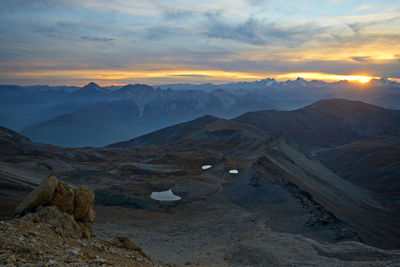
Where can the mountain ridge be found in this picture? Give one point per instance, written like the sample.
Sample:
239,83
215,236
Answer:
41,109
313,127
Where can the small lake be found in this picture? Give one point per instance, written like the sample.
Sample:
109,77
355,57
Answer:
165,196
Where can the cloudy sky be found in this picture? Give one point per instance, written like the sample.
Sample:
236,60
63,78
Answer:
157,41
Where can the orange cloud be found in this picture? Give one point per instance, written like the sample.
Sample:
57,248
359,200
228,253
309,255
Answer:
109,77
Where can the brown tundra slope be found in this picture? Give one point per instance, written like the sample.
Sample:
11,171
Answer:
372,163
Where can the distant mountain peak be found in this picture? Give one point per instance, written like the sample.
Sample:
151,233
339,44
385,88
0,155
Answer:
90,89
92,85
383,82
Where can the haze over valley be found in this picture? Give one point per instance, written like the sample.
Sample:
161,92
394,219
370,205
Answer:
96,116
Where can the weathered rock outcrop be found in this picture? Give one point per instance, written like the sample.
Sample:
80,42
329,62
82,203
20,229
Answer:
84,199
62,223
54,228
40,196
52,192
70,211
64,198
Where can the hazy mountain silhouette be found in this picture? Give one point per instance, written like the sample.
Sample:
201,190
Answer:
325,123
69,115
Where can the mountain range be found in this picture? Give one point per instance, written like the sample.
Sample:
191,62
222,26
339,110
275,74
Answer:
96,116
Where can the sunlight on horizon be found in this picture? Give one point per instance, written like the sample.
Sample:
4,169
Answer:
113,77
330,77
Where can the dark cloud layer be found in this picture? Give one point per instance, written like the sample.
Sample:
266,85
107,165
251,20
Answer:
96,39
255,32
250,36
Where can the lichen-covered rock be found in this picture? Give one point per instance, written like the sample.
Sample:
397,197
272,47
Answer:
40,196
84,199
90,216
70,212
63,223
64,198
51,192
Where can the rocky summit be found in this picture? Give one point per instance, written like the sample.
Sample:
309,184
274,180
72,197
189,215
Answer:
54,228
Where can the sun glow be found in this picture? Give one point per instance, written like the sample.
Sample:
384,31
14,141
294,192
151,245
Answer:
328,77
108,77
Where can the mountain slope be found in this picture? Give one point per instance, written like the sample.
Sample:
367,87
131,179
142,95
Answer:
373,163
207,130
326,123
284,160
323,124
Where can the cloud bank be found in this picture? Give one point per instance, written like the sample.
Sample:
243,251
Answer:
42,39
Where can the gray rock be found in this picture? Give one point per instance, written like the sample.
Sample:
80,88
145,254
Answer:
74,252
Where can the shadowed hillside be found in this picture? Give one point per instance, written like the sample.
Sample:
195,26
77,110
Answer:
373,163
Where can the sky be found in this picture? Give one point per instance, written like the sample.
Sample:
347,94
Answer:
71,42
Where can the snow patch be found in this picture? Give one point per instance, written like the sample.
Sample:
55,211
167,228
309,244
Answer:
165,196
205,167
234,171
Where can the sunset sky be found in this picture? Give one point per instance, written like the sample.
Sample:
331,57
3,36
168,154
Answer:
72,42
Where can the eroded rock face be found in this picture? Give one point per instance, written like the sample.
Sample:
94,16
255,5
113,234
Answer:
90,216
63,223
69,210
84,199
64,198
40,196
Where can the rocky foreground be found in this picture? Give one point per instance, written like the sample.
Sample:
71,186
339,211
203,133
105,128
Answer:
54,228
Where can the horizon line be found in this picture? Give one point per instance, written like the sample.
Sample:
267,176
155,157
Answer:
307,76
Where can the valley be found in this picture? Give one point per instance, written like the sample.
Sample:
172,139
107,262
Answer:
283,205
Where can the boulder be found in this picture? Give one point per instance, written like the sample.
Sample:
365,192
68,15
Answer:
40,196
84,199
64,198
69,211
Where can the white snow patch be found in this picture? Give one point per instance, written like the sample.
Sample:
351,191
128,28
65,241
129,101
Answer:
205,167
165,196
234,171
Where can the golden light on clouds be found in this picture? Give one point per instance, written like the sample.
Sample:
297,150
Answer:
129,75
120,77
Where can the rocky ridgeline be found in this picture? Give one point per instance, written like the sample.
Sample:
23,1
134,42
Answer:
53,228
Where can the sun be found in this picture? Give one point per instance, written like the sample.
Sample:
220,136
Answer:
328,77
364,79
357,78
